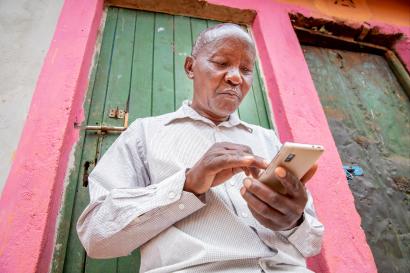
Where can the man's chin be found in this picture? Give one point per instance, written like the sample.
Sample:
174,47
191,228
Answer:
225,110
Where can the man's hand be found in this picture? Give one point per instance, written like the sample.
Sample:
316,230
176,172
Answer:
274,210
222,161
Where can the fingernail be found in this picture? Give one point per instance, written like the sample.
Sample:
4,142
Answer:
247,182
281,172
243,190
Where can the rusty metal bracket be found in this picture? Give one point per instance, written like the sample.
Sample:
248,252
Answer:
116,113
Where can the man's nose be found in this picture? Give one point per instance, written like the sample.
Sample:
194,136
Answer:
233,76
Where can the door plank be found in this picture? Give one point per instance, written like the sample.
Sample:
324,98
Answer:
120,72
197,25
142,67
183,45
163,95
129,264
261,99
211,23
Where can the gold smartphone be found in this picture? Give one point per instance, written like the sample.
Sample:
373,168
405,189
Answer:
295,157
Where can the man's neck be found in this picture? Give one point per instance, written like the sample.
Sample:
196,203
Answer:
215,119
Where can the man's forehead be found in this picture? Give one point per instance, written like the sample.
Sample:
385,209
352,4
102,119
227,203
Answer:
229,31
221,32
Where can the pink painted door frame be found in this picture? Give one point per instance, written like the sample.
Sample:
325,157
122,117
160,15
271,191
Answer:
32,195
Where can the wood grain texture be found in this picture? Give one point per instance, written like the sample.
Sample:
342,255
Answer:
183,45
163,94
142,68
197,8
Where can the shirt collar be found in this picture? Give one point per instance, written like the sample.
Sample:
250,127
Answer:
186,111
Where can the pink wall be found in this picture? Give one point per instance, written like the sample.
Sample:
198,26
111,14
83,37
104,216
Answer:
32,195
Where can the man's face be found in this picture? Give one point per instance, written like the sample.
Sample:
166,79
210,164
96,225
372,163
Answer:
222,72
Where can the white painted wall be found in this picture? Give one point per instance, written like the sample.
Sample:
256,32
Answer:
26,30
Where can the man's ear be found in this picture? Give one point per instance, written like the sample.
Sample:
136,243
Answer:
188,66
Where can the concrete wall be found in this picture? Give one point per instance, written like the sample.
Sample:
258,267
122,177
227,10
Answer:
26,29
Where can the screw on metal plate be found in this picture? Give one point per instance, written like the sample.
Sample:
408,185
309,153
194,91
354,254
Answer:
353,170
120,113
116,113
112,113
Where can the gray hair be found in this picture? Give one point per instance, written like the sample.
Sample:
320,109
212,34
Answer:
210,34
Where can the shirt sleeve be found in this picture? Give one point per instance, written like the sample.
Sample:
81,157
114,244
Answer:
125,209
307,237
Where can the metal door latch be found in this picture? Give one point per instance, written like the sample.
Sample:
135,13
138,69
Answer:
103,129
353,170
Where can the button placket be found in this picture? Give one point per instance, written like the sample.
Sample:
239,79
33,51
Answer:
217,134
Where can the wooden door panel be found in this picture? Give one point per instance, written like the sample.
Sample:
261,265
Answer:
369,115
140,61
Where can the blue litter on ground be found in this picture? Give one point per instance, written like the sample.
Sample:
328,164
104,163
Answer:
353,170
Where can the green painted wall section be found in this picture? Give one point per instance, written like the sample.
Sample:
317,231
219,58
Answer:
369,115
141,61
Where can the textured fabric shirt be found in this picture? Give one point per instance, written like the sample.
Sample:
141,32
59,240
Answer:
137,200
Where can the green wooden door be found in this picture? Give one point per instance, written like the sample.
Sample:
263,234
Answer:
141,61
369,115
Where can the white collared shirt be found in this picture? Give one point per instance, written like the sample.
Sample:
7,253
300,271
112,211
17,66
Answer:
137,200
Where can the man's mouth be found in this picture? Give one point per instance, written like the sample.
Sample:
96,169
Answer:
231,93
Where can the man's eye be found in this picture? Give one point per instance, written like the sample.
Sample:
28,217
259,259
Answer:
246,70
220,63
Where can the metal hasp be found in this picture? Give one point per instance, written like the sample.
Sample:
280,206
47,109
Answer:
104,129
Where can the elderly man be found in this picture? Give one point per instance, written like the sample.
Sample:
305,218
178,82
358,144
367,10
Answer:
179,185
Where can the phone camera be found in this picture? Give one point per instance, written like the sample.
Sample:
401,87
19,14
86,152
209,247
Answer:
289,157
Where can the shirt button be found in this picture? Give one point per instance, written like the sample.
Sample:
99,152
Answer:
232,182
181,206
171,195
244,214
